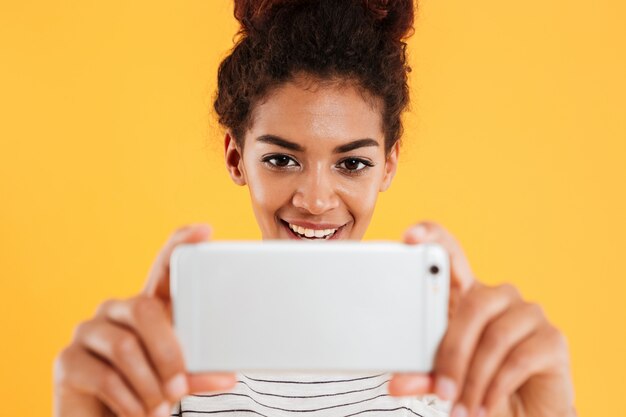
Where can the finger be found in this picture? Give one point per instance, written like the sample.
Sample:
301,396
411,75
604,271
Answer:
403,384
480,306
499,338
97,379
211,382
147,318
461,275
157,284
123,350
542,353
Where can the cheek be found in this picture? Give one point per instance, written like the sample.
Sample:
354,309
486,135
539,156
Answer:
268,192
360,196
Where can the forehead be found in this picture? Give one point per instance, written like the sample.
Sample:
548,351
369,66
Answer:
318,111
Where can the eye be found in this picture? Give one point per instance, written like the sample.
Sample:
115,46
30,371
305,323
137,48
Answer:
354,164
280,161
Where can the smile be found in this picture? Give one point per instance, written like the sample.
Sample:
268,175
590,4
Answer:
307,233
317,233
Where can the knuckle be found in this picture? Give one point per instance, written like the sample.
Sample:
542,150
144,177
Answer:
482,291
494,337
519,362
125,346
66,354
561,340
81,329
562,353
61,365
144,307
510,290
109,383
536,310
557,338
168,361
168,356
473,306
105,306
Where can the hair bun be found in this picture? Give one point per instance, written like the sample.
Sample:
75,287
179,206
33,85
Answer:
250,13
395,17
361,41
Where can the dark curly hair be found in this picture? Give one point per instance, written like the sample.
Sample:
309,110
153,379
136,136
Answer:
355,40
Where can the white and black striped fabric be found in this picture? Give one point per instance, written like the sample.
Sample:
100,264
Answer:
308,395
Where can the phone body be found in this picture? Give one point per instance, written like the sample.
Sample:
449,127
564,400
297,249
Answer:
309,306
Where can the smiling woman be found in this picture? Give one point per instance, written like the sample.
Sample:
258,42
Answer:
311,98
326,81
314,161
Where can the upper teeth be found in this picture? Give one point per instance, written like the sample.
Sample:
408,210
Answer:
311,232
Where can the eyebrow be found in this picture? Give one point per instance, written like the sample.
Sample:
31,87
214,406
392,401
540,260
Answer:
360,143
346,147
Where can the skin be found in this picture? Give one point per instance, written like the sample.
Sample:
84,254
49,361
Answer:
500,356
315,189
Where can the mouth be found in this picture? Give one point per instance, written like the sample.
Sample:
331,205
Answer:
312,232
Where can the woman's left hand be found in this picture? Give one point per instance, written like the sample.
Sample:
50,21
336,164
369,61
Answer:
500,356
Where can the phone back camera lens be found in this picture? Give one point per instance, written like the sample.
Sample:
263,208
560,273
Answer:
434,269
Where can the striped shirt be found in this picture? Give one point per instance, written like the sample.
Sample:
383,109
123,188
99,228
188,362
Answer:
289,395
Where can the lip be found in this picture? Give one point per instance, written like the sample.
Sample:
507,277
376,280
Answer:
314,226
293,235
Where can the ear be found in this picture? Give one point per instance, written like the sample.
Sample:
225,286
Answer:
391,165
234,160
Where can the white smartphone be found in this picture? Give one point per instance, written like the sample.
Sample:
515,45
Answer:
309,306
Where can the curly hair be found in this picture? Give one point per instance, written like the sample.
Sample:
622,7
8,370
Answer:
356,40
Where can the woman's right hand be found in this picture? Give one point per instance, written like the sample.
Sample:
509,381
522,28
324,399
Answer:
126,361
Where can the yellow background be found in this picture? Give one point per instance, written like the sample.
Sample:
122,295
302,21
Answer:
516,142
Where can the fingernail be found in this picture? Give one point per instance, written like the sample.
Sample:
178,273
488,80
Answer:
409,385
163,410
419,232
482,412
177,386
229,381
445,388
205,228
459,410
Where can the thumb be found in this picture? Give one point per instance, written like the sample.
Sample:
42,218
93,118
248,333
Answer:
216,381
158,282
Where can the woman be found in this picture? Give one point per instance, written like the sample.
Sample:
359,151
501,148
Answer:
311,98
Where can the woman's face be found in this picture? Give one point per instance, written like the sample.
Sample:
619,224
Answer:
314,161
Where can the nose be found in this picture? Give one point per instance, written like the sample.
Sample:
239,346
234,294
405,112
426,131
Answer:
316,192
